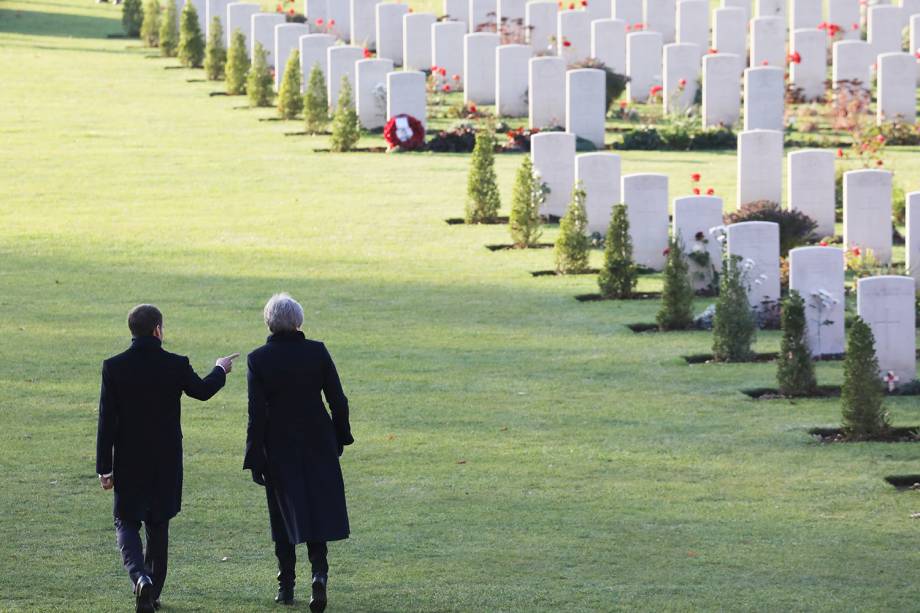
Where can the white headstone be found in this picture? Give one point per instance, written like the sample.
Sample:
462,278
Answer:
845,13
721,90
608,43
314,49
757,244
810,73
287,40
540,20
599,175
885,25
681,71
263,33
340,61
510,18
447,47
897,88
630,11
574,36
479,67
511,74
805,14
338,13
643,64
693,23
363,23
458,10
886,303
371,91
867,212
661,16
912,238
599,10
390,31
239,17
547,92
553,156
811,187
853,61
483,15
317,14
215,8
772,8
760,166
586,104
406,95
744,5
817,273
417,40
694,217
914,30
764,98
768,42
729,34
646,199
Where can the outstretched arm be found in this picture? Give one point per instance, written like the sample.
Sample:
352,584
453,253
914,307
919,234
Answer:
255,429
108,425
202,389
338,403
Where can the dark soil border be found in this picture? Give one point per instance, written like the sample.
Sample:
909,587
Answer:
323,133
553,273
459,221
904,482
895,435
217,94
707,358
823,391
173,67
355,150
119,36
635,296
509,247
196,80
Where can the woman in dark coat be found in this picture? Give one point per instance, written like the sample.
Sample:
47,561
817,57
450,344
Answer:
293,447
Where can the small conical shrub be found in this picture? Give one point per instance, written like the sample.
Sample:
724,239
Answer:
482,197
215,55
618,276
345,127
573,244
733,325
316,101
191,40
259,80
795,371
290,100
237,64
150,29
132,17
169,33
676,311
864,417
529,195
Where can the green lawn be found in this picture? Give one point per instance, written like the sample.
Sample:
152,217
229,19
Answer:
516,450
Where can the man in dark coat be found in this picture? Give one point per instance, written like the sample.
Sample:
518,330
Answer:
293,446
139,445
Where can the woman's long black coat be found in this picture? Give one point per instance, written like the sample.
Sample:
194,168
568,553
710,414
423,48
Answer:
291,438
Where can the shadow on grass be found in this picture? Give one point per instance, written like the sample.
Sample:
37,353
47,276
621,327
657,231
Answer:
68,25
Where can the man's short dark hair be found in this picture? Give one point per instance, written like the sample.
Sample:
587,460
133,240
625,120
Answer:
144,319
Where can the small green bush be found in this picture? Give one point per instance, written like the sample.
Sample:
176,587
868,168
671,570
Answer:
132,17
482,197
259,80
290,100
316,101
346,130
150,28
169,32
795,371
795,227
572,244
191,40
215,54
862,398
734,325
237,64
680,134
619,275
676,311
525,223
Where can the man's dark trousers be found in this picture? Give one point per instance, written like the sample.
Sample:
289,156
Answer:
153,563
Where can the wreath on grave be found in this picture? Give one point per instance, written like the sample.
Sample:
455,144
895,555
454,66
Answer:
405,133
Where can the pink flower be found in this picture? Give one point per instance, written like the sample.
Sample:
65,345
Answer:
765,63
822,244
795,58
712,51
682,83
456,77
880,138
442,72
856,251
319,21
654,90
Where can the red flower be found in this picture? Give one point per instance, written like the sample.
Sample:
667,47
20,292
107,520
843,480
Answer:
639,26
710,192
319,21
623,104
856,251
584,2
712,51
822,244
822,25
880,138
682,83
446,87
566,43
442,72
695,177
654,90
696,191
291,12
571,6
840,153
472,108
434,69
917,54
666,252
795,58
279,9
765,63
331,22
367,53
456,77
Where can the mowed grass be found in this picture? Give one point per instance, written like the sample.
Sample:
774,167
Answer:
516,450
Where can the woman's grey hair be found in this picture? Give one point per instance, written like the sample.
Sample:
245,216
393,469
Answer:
283,313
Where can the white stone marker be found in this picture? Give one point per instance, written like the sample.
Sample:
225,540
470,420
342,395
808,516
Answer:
573,36
511,75
646,199
510,18
817,274
553,156
661,16
214,8
867,212
693,23
371,91
681,71
811,187
479,67
852,62
643,64
339,11
541,23
314,49
390,31
263,33
406,95
886,303
729,33
721,90
757,242
447,49
897,88
599,10
239,17
417,40
884,26
586,104
630,11
810,72
768,42
845,13
608,43
909,8
599,175
914,42
483,15
760,166
764,98
341,62
772,8
744,5
912,248
804,14
546,101
363,23
317,14
458,10
694,217
287,40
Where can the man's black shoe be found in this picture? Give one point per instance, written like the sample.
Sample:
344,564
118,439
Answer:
285,595
318,599
143,593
